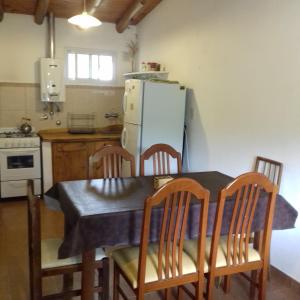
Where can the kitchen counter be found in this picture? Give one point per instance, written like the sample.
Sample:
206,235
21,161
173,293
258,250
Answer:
62,135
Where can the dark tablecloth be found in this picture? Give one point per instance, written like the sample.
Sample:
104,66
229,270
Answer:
109,212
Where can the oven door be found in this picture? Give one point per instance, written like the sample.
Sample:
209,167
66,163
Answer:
18,164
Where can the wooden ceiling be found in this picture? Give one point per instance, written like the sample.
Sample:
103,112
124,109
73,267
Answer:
120,12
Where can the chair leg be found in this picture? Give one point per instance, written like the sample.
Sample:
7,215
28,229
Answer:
262,283
180,293
103,279
210,287
199,290
269,269
226,284
100,281
68,283
167,294
116,282
140,294
252,285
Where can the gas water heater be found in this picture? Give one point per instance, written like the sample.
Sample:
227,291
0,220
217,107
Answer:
52,80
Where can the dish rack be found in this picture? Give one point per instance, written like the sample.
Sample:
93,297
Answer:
81,123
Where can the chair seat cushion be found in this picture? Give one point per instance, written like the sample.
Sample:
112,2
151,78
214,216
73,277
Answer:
128,261
49,253
190,247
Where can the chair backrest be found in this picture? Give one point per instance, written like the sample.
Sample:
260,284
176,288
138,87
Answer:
160,154
34,241
174,199
111,159
245,192
270,168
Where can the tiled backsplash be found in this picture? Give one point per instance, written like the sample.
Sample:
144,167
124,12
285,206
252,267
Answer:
23,100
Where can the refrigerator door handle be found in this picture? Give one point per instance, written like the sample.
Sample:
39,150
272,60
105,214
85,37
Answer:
125,102
124,138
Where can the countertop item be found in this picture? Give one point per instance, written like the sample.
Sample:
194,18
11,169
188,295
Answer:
147,75
112,132
26,127
81,123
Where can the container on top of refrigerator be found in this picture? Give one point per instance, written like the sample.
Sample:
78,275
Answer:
52,80
147,75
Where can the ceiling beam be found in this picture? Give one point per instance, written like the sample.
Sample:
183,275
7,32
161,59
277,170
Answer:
124,21
92,5
1,10
144,11
41,11
135,13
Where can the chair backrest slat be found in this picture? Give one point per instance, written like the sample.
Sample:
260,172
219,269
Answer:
163,161
238,225
183,230
160,154
159,163
232,224
246,191
176,233
170,235
162,237
111,158
245,214
174,199
251,216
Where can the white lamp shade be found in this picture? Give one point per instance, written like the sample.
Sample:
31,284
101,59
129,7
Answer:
84,21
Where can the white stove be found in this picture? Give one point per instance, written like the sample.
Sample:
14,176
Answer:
19,161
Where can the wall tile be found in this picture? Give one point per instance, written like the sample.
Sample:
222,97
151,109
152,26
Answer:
13,98
11,118
33,102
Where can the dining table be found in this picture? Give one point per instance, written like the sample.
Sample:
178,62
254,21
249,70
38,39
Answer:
109,212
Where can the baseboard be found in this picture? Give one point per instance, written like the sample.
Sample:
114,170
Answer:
285,279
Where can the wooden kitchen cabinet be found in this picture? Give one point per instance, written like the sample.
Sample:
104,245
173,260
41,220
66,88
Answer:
70,160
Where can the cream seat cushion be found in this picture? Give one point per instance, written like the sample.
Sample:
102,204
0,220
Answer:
190,247
49,251
128,261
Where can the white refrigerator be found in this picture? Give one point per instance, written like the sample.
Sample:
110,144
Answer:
153,113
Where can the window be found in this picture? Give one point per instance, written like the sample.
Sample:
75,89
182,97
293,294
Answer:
90,67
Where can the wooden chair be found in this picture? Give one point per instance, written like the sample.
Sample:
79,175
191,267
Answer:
111,159
43,261
160,154
152,267
231,254
270,168
273,170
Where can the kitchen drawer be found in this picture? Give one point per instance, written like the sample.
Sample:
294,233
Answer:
18,188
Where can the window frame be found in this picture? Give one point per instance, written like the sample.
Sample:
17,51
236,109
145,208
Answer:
90,81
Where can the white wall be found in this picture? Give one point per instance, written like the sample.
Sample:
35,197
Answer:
241,60
22,43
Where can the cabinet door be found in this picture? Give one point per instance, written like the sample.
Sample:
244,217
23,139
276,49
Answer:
70,161
98,167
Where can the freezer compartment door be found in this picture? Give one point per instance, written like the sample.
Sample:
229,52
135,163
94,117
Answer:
133,101
131,140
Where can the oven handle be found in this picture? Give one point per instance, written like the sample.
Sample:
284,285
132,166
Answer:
26,151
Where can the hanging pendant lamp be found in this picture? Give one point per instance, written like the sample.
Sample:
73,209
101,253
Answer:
84,20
